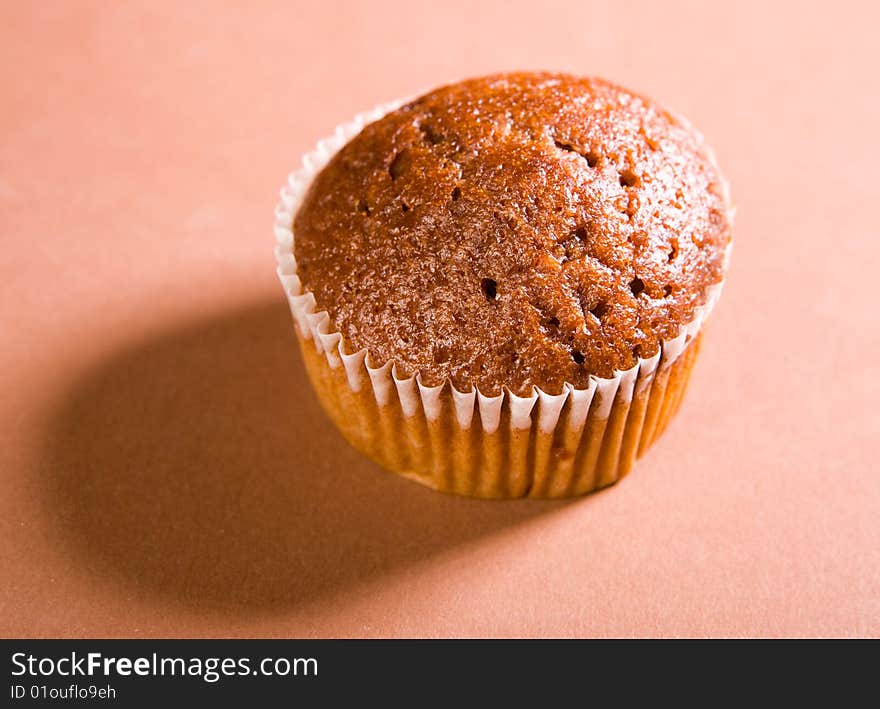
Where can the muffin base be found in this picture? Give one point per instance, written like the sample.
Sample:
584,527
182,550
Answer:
511,462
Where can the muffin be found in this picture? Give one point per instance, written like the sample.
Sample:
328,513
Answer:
499,287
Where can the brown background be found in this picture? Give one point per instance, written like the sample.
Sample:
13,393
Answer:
165,469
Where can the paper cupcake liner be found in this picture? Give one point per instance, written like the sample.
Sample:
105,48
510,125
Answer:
466,442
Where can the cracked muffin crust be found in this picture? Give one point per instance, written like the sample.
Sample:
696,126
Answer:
515,230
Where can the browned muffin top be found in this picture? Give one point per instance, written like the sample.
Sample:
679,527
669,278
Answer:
519,229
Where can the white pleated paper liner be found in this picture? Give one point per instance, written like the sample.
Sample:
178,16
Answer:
535,421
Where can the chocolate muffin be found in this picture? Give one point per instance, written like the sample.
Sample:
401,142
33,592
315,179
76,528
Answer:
539,247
